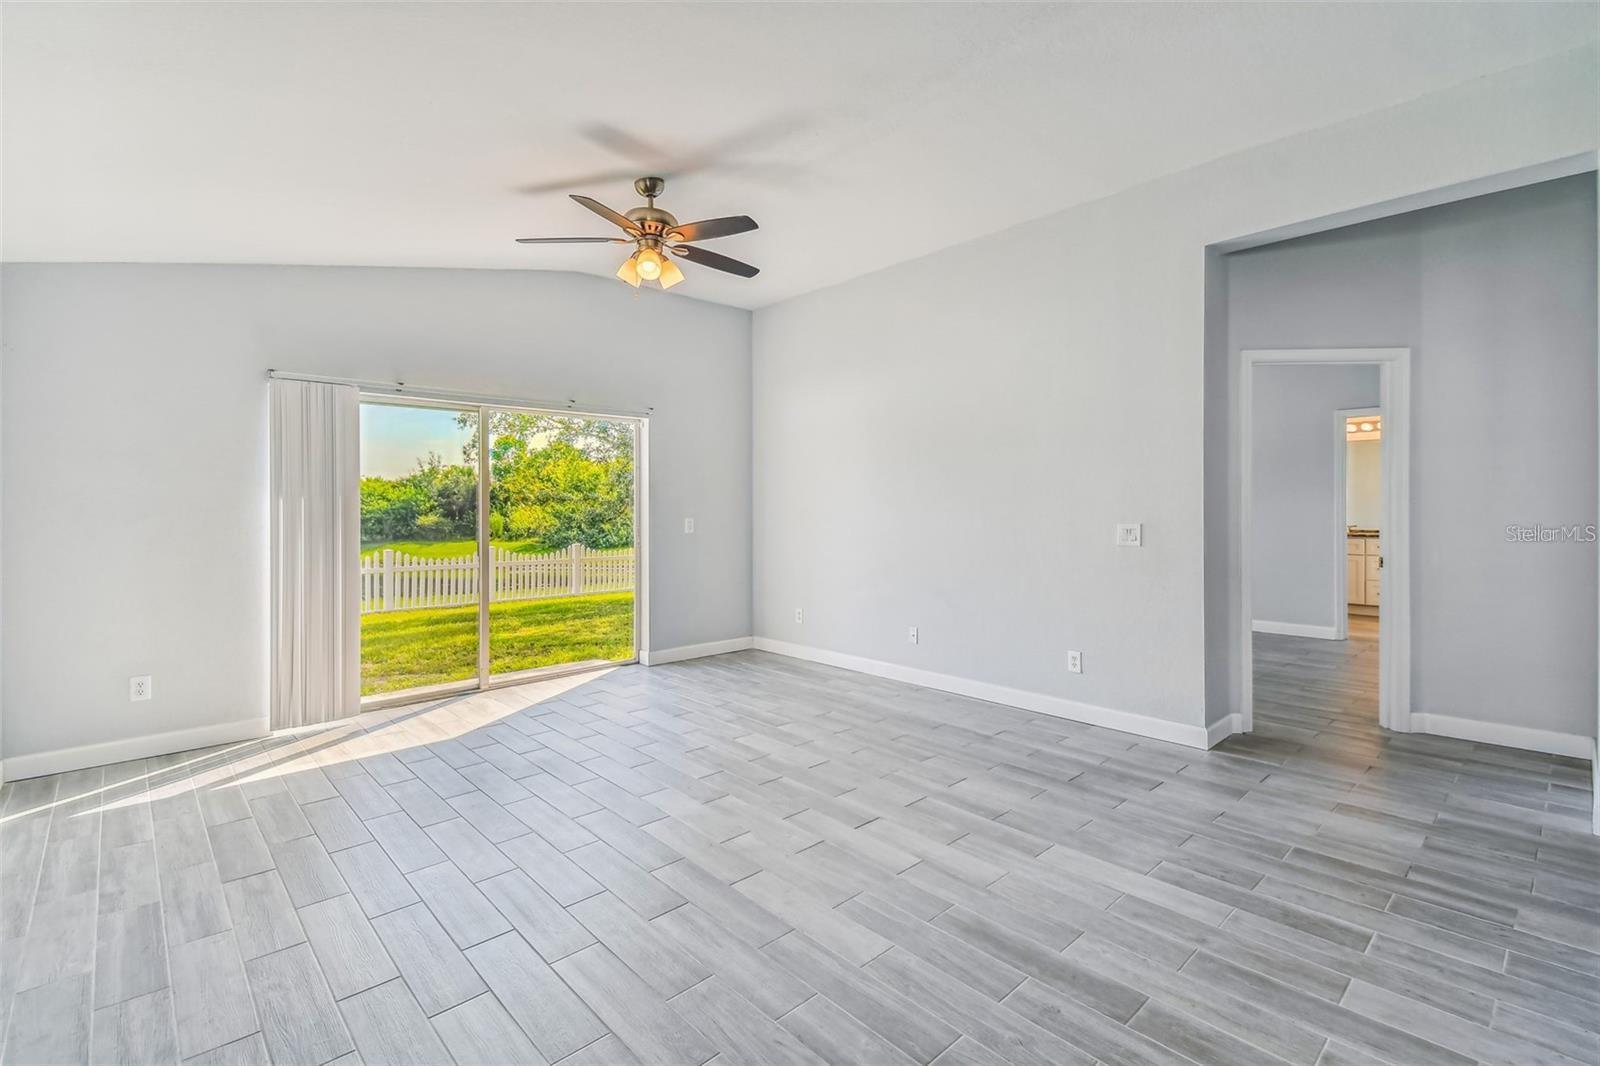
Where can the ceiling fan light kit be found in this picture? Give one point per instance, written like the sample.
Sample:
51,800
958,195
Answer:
657,237
647,261
647,264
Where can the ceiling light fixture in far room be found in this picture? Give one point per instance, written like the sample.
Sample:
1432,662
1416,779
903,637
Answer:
1349,427
1367,427
653,232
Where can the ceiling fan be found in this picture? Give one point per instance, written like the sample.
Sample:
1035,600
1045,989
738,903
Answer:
654,232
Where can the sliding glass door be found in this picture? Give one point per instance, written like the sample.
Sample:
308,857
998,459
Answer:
561,525
497,544
419,548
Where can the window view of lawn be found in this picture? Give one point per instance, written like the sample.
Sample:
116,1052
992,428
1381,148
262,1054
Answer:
561,575
409,649
448,549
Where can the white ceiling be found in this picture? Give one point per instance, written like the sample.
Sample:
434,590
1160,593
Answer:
857,135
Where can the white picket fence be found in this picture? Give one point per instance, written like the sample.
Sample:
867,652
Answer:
395,581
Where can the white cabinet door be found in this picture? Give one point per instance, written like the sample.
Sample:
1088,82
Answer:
1355,583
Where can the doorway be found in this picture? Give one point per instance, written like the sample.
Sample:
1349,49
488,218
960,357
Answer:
1358,443
1288,666
498,545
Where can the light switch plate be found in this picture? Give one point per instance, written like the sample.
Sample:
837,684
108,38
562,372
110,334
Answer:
1130,534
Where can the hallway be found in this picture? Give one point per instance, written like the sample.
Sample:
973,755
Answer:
1305,686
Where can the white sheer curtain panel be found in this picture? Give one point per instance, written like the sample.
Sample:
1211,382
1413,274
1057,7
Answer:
316,545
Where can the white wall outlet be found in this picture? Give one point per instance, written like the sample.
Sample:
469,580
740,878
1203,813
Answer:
798,615
139,688
1074,662
688,525
1129,534
912,636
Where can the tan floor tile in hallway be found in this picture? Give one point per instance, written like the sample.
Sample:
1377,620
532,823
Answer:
750,859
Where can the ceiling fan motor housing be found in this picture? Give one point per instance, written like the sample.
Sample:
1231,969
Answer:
654,223
651,219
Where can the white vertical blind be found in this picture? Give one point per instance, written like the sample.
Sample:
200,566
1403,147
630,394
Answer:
316,545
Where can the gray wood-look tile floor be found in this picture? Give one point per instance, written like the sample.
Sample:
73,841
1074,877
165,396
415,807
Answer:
750,859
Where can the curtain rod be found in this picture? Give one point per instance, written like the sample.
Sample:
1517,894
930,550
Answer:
426,392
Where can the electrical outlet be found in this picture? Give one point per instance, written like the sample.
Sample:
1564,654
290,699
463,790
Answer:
798,616
139,688
912,636
1074,662
1129,535
688,525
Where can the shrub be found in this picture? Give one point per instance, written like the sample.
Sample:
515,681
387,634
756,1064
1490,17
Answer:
390,509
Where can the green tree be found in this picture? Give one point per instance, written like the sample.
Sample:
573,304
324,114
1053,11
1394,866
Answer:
559,496
596,438
390,508
558,479
453,494
555,480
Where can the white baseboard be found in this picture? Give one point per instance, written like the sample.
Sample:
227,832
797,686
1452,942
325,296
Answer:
1223,728
62,760
1142,725
1507,736
662,656
1295,629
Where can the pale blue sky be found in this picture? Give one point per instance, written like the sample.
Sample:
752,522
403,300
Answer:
394,439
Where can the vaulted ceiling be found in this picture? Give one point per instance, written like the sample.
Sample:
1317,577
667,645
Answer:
858,135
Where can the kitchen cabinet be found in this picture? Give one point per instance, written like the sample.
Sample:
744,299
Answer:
1363,567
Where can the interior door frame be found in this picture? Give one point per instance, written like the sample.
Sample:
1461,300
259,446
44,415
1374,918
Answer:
1394,588
1341,525
485,680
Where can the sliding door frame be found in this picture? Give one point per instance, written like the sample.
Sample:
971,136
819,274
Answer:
485,548
485,680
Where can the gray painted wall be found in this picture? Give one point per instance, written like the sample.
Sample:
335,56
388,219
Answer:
949,442
1297,561
1496,298
135,457
935,449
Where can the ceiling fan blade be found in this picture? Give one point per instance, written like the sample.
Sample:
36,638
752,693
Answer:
572,240
712,227
582,181
606,213
715,261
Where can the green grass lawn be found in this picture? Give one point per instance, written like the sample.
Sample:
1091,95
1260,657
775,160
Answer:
408,649
449,549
